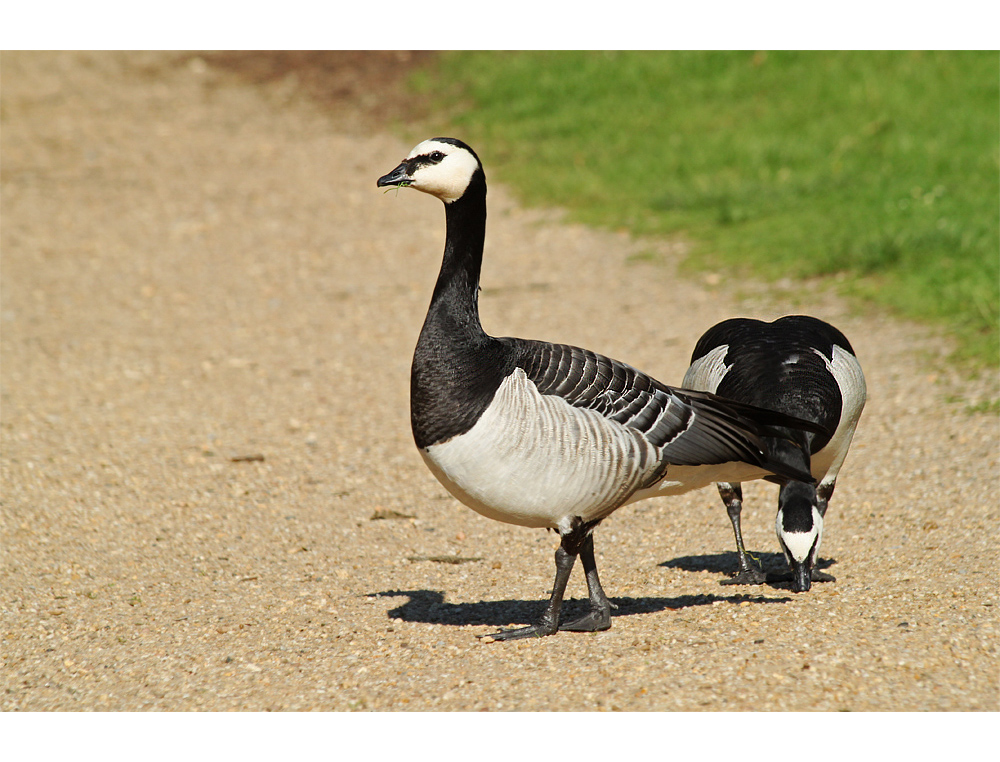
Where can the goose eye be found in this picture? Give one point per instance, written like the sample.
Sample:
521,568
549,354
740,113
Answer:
436,156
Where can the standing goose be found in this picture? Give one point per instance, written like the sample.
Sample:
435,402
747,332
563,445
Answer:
803,367
547,435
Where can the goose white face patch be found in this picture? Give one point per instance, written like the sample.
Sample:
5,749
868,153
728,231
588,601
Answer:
448,178
800,544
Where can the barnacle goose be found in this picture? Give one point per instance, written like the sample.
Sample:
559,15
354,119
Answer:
803,367
547,435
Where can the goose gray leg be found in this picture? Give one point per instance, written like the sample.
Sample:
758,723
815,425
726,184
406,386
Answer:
732,496
823,494
575,541
599,617
549,621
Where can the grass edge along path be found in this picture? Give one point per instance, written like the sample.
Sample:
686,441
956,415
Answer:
879,168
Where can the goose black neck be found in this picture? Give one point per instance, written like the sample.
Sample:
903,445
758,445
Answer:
456,293
456,367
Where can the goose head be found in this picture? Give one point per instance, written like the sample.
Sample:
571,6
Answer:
799,527
442,167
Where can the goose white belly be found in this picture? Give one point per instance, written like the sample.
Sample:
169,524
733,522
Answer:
536,461
681,479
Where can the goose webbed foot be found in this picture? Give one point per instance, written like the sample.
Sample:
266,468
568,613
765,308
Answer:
747,576
596,620
539,630
814,575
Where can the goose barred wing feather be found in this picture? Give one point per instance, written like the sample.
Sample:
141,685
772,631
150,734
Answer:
690,428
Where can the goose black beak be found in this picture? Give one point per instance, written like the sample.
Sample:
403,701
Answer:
801,577
398,177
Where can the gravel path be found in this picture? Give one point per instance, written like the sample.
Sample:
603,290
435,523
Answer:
211,499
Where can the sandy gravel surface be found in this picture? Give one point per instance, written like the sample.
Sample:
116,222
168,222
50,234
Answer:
211,499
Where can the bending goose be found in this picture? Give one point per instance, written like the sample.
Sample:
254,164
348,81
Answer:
805,368
547,435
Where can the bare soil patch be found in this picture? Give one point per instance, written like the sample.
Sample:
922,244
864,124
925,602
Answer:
211,499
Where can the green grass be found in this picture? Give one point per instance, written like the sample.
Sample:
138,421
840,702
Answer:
882,167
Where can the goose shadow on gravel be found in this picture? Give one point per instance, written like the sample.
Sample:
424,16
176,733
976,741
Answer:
429,606
773,564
